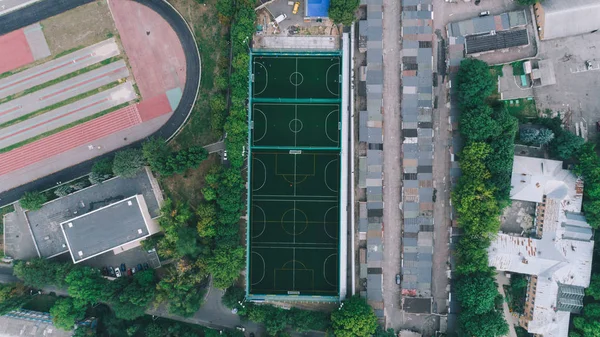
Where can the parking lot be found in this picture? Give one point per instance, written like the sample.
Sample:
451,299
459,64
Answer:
575,92
131,258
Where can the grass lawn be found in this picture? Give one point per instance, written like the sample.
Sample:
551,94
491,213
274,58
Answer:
82,26
518,68
521,108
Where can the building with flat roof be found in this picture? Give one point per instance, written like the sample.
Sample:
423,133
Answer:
557,255
46,227
559,18
107,228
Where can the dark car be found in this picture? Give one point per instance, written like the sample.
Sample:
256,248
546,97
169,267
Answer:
129,272
123,269
145,266
111,271
104,271
139,267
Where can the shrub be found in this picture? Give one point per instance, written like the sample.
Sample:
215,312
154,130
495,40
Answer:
128,163
33,200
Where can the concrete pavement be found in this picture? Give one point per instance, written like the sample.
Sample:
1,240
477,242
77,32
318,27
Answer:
62,91
48,71
67,114
392,168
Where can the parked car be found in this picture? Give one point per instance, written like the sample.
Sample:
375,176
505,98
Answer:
139,267
118,272
129,273
241,328
145,266
296,7
133,270
104,271
123,268
397,278
484,13
111,271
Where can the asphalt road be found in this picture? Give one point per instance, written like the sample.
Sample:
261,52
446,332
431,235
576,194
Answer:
47,8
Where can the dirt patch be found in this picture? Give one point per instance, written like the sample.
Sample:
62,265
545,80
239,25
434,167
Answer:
79,27
188,186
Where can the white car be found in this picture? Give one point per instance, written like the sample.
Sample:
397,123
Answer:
118,272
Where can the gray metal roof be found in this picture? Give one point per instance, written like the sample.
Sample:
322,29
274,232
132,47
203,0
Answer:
106,228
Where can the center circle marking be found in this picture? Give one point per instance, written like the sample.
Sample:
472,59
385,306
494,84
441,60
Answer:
296,125
294,221
296,78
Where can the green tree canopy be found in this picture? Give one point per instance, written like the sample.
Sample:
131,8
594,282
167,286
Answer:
40,272
232,296
594,289
476,292
477,124
475,83
128,163
343,11
134,298
355,318
490,324
225,265
33,200
13,296
66,312
86,284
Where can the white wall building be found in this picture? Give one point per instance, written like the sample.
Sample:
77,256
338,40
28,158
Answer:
559,258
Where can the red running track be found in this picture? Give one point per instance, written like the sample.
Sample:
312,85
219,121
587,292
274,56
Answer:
14,51
66,140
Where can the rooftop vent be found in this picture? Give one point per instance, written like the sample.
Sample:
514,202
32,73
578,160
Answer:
140,231
70,224
129,203
80,253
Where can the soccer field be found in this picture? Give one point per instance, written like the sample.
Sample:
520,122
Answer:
294,176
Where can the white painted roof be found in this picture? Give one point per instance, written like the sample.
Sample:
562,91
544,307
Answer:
532,178
563,254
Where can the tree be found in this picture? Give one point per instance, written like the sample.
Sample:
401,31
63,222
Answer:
343,11
474,82
40,272
306,320
13,296
84,331
477,124
592,310
476,292
594,288
354,318
102,170
33,200
544,137
565,145
86,284
528,2
207,220
66,312
128,163
232,296
384,333
187,243
529,135
490,324
225,265
133,299
182,288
